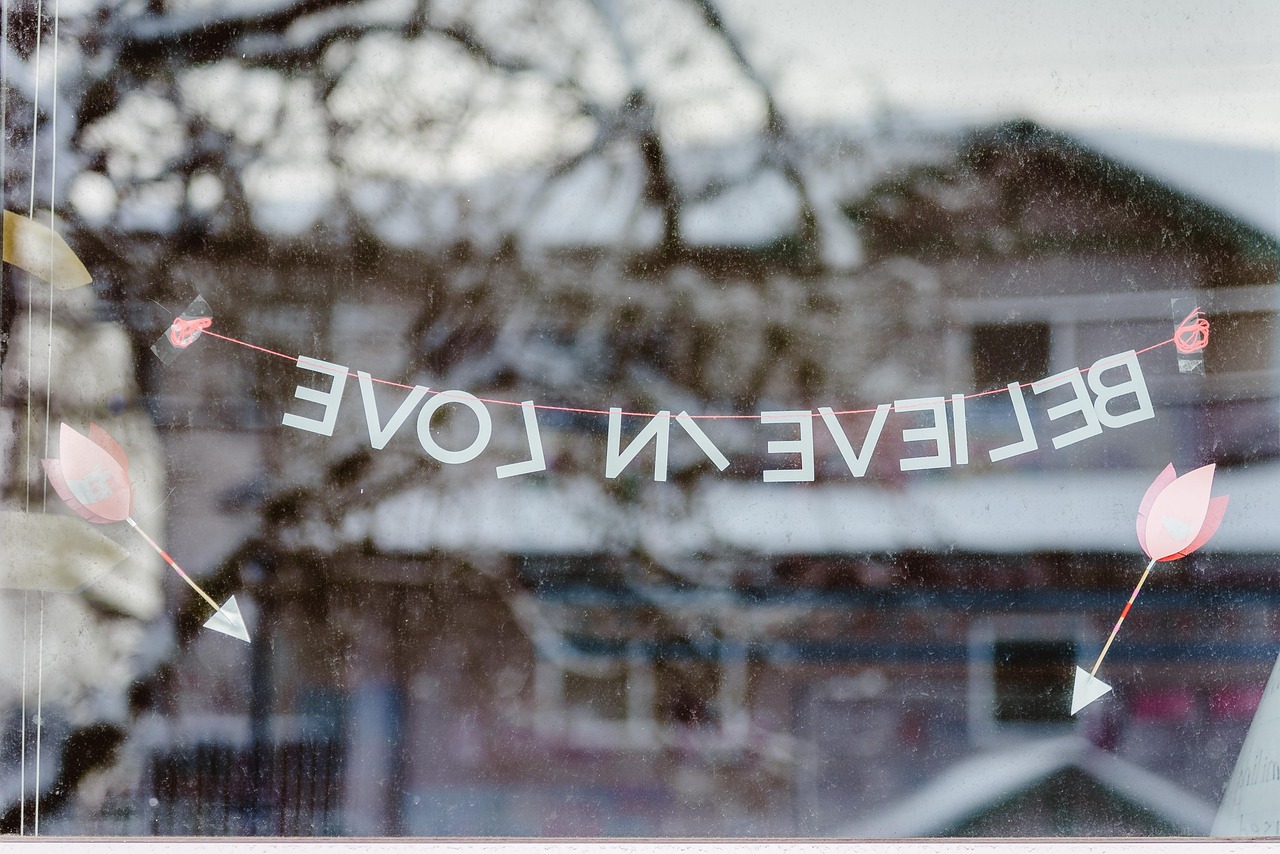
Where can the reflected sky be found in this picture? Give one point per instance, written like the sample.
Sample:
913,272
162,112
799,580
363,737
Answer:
1176,67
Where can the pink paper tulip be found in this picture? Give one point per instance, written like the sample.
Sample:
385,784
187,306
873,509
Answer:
91,475
1177,514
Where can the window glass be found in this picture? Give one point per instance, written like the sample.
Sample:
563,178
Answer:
638,418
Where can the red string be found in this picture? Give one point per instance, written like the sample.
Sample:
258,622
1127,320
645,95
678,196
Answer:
1192,334
584,411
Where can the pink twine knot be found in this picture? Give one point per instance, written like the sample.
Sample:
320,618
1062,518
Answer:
183,332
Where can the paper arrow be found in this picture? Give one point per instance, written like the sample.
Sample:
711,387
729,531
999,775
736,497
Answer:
42,252
226,618
90,474
1091,693
1087,689
228,621
1176,516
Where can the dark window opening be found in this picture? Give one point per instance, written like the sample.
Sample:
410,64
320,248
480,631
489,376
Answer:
1033,680
1009,352
1240,342
686,693
602,697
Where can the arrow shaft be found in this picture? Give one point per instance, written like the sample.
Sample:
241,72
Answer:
1123,614
174,564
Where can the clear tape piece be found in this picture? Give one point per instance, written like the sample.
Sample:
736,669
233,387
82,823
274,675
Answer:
184,330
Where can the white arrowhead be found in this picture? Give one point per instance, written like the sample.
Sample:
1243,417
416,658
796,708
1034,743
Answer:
1088,688
227,620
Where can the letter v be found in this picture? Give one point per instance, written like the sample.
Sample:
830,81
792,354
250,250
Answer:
857,462
379,435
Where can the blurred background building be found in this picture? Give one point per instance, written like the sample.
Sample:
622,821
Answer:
438,651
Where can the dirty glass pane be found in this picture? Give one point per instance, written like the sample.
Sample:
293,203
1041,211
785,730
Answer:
606,418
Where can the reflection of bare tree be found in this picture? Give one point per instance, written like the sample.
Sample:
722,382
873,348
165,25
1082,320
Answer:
71,640
314,166
201,125
580,202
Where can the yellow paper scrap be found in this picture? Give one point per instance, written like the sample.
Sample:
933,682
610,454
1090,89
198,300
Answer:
52,553
42,252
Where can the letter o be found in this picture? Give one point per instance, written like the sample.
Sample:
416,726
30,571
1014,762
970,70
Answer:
468,453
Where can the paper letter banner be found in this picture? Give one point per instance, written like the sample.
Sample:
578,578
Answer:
1108,395
1113,396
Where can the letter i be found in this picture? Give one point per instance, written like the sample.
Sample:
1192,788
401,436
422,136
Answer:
960,429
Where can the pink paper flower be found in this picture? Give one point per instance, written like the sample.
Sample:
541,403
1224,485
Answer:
91,475
1177,516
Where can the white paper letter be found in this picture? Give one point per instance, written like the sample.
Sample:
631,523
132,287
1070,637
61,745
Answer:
935,432
659,429
483,433
685,420
1028,441
536,462
379,435
1136,385
960,429
1080,402
857,461
802,446
330,399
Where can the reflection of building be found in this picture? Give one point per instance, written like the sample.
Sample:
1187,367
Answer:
568,654
1066,786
